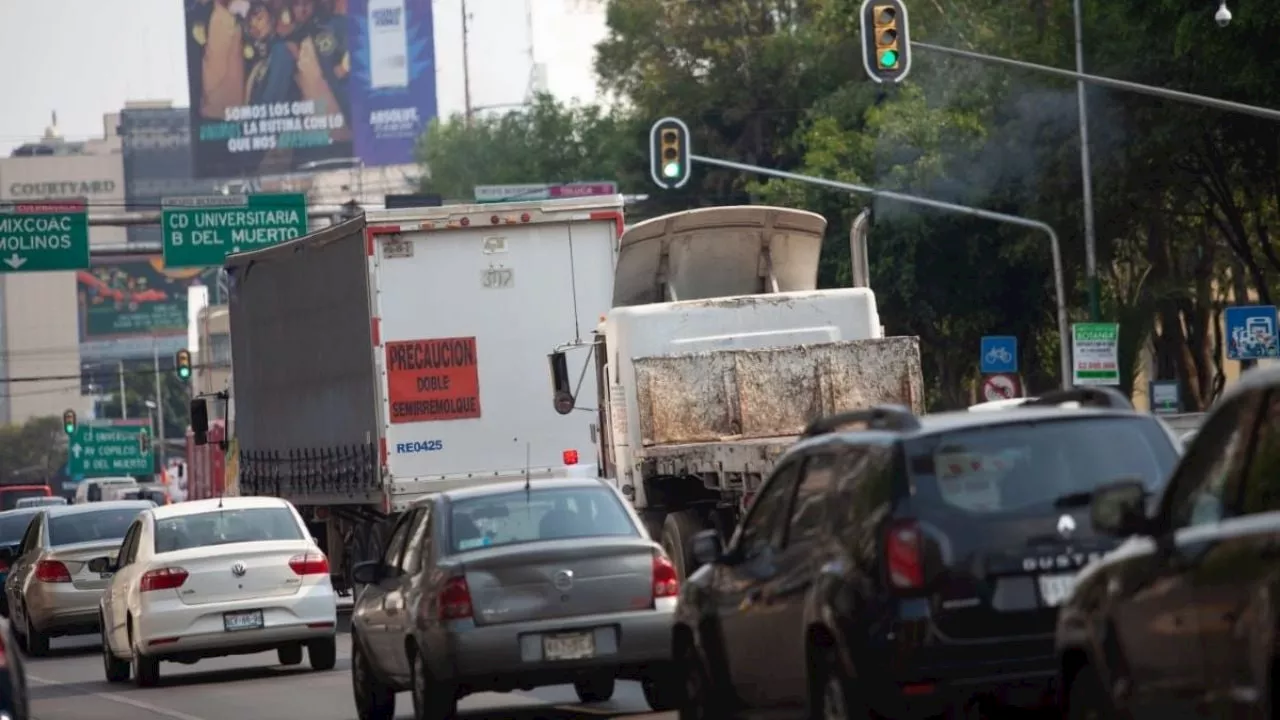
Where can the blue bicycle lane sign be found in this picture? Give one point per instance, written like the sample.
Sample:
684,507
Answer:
998,354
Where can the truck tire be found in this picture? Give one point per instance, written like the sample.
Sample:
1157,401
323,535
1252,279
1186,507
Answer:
678,530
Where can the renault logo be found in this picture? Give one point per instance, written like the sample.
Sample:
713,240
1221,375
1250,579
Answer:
238,569
563,580
1066,526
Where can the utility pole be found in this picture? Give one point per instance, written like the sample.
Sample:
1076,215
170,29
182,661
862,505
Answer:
466,67
124,405
155,364
1086,174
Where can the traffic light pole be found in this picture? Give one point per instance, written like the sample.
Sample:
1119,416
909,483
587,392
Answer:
1064,331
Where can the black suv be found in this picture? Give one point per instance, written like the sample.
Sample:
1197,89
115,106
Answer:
912,566
1183,619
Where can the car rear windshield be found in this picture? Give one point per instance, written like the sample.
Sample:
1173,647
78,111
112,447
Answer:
13,526
9,498
1028,467
539,514
107,524
223,527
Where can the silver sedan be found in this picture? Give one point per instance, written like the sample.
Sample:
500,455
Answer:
510,586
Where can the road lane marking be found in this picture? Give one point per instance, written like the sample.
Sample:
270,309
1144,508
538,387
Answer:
122,700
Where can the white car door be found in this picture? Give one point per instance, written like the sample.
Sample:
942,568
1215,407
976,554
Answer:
115,599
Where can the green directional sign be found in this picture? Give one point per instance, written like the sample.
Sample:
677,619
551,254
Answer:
202,231
102,451
44,235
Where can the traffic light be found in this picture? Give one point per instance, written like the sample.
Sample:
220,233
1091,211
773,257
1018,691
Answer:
669,153
183,363
886,42
144,441
69,422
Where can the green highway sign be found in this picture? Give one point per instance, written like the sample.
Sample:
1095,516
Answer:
101,451
202,231
44,235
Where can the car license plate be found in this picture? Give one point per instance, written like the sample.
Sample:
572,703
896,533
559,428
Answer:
1056,588
569,646
249,620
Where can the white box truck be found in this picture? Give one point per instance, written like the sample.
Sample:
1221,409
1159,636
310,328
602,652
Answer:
718,351
404,352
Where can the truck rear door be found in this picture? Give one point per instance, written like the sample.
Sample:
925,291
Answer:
468,308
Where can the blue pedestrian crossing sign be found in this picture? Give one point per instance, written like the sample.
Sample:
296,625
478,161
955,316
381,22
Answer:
999,354
1251,332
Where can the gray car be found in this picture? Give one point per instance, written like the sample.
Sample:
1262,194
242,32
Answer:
511,586
50,588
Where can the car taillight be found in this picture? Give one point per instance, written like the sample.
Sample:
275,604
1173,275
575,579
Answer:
52,571
455,600
665,581
903,556
168,578
309,564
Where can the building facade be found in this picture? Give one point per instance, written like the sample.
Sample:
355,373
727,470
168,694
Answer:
40,312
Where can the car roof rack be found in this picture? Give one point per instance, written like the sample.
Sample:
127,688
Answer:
880,417
1091,396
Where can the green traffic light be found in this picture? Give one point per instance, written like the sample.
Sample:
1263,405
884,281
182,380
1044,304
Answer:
889,59
70,428
184,372
671,170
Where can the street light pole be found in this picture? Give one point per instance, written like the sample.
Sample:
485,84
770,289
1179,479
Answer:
1086,174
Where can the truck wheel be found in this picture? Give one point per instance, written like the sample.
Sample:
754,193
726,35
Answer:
677,540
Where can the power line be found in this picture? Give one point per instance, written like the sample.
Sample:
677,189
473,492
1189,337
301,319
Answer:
138,371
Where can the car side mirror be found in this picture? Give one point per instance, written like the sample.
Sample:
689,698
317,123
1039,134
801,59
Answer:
561,386
367,573
707,547
102,565
1119,509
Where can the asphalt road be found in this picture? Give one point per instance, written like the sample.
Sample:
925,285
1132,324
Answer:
69,685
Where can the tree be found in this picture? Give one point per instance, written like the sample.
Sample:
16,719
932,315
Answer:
547,142
33,452
140,387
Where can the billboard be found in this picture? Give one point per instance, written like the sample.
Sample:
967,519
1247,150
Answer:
129,309
278,85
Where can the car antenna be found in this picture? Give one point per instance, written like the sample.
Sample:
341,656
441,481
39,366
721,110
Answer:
528,454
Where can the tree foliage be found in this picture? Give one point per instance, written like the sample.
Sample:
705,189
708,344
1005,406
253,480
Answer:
32,452
1185,199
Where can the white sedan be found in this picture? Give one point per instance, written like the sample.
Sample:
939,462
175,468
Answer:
209,578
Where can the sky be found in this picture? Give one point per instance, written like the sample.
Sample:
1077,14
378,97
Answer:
84,58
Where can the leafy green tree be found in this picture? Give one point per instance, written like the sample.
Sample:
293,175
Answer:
140,387
33,452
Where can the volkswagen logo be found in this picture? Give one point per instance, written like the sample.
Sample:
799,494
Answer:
239,569
563,580
1066,526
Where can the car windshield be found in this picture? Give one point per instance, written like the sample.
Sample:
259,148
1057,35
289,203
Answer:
9,498
539,514
1020,467
226,526
13,525
79,527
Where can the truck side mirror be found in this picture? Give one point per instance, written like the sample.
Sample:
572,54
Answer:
562,394
200,421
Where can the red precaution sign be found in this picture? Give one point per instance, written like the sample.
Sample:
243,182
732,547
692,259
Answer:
433,380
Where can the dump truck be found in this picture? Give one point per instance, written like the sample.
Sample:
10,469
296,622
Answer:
718,350
403,352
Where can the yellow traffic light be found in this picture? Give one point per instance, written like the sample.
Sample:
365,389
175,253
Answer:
886,40
886,33
183,364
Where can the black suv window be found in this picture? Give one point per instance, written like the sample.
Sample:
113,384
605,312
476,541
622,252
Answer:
817,483
1261,491
1028,466
765,521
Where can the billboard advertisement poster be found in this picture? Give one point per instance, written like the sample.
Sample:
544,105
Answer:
393,77
279,85
133,299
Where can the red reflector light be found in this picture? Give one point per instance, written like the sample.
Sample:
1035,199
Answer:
455,600
163,641
4,566
917,689
570,457
52,571
524,217
494,219
902,555
465,221
309,564
169,578
665,581
320,625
